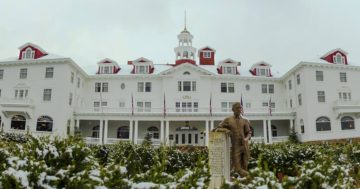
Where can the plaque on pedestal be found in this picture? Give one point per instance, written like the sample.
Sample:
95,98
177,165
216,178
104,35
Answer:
219,158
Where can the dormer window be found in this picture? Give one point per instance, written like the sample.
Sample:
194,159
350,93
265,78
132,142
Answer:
28,54
263,71
106,69
229,70
339,59
207,54
142,69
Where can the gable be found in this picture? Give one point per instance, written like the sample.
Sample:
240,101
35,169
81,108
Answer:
180,69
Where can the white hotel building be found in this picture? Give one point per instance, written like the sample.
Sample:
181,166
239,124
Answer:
177,104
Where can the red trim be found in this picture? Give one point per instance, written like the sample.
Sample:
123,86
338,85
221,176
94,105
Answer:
181,61
330,58
219,70
130,62
253,72
106,62
38,53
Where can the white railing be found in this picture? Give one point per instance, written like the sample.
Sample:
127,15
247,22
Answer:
155,142
115,140
91,140
157,110
346,103
257,139
16,102
280,139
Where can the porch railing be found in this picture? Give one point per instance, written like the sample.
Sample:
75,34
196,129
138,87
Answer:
280,139
115,140
257,139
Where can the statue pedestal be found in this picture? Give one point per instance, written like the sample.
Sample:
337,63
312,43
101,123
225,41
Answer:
219,158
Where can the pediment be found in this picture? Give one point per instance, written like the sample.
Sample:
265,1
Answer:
186,67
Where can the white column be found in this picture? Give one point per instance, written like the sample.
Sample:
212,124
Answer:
270,131
101,131
207,133
291,124
265,132
78,125
211,125
106,131
136,131
167,132
131,130
162,131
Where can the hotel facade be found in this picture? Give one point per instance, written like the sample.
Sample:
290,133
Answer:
179,103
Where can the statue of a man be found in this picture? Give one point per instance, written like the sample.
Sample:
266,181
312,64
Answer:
239,129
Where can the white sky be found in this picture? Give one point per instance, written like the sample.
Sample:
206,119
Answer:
280,32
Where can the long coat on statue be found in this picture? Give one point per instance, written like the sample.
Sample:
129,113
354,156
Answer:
239,128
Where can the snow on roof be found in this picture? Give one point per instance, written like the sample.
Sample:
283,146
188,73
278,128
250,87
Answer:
46,57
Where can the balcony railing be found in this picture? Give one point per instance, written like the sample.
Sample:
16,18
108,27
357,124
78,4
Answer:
16,102
160,110
280,139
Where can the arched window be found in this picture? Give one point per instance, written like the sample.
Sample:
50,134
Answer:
339,59
302,127
178,55
28,54
44,123
186,73
96,131
153,132
192,55
18,122
323,124
274,130
185,54
347,122
123,132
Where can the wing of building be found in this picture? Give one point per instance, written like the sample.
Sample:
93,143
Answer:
178,103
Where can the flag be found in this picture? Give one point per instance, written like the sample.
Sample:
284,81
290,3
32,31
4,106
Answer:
242,106
210,105
164,106
270,107
132,104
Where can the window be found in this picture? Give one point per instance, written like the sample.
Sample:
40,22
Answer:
185,54
187,106
70,98
104,87
144,86
1,74
299,99
291,103
123,132
97,105
207,54
18,122
95,131
23,73
321,96
28,54
262,71
186,73
289,84
345,96
78,82
186,85
273,130
49,73
302,127
44,123
323,124
264,88
21,93
226,106
271,88
47,95
144,106
319,76
229,69
338,59
298,79
72,77
247,87
347,123
227,87
343,77
153,132
107,69
248,105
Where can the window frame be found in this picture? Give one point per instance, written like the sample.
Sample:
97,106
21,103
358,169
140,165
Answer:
23,73
47,95
343,77
323,120
49,72
321,96
319,75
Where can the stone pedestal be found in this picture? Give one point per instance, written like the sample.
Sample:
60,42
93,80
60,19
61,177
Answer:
219,158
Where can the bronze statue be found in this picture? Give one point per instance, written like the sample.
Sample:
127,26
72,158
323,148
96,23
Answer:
239,129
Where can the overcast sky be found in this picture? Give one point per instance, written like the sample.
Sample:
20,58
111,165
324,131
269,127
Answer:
280,32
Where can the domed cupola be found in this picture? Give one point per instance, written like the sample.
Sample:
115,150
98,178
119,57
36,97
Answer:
185,52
